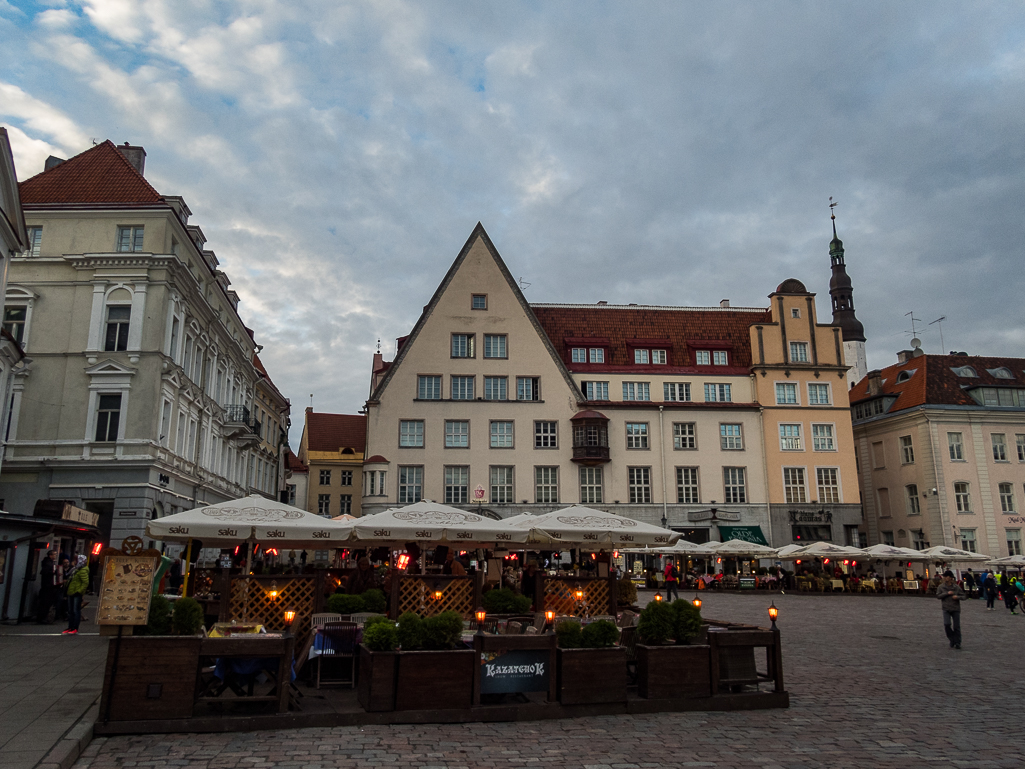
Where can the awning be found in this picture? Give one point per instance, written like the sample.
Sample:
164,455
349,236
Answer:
744,533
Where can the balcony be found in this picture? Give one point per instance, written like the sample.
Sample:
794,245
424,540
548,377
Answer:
239,425
591,455
590,438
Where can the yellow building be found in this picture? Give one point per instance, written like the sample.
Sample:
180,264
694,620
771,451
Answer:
332,449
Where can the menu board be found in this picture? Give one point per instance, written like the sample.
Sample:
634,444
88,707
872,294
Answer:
126,591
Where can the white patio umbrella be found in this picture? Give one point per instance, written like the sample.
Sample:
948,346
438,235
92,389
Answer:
432,523
736,548
682,547
786,553
953,555
1013,561
892,553
828,550
585,527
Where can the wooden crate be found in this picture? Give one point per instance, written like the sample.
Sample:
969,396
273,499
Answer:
155,679
591,675
669,672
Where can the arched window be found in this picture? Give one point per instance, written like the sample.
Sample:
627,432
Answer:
118,319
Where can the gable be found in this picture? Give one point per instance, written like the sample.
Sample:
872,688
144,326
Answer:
99,175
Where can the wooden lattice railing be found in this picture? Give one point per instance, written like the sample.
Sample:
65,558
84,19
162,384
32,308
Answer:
420,595
251,601
560,596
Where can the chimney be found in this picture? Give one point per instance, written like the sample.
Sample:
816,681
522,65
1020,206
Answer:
903,356
602,303
135,155
875,382
724,303
52,162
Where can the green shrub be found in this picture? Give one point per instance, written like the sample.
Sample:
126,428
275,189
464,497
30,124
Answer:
505,601
599,635
375,619
411,631
187,616
381,636
442,631
159,617
626,591
688,621
657,623
569,634
374,600
343,603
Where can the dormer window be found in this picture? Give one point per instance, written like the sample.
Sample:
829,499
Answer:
720,358
578,355
904,376
703,358
658,357
596,355
641,356
587,354
1001,373
965,371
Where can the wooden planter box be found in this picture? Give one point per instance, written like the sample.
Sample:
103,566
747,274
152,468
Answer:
377,670
434,680
155,678
588,676
671,672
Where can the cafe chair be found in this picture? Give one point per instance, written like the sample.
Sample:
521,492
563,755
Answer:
338,641
361,618
319,620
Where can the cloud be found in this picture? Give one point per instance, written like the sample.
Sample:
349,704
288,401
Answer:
40,117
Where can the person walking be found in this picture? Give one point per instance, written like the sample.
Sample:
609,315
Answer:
78,583
989,587
951,594
47,587
672,576
1008,592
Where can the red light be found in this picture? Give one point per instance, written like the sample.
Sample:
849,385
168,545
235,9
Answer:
272,551
237,549
845,562
615,554
826,561
256,550
719,560
462,552
798,560
97,548
403,561
593,557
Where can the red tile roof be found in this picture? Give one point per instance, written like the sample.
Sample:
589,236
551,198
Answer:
99,175
625,327
935,382
293,463
331,432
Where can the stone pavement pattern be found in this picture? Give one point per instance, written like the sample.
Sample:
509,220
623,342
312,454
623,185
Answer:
873,684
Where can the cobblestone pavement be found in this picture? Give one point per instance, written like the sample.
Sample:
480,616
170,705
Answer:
872,680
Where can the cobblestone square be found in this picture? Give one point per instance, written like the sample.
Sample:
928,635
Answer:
872,680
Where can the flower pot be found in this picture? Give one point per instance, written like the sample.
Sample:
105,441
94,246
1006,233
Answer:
588,676
376,690
673,672
434,680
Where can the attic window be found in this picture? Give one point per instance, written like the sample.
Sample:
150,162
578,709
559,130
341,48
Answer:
479,302
965,371
1001,373
904,376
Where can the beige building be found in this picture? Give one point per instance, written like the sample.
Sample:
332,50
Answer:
941,447
657,413
139,399
331,450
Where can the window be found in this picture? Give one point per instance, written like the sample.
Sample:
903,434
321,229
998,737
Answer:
798,352
636,391
345,506
640,356
703,358
962,498
658,357
546,485
457,485
411,484
818,394
528,388
462,388
325,477
429,388
918,540
596,354
793,485
911,498
1001,373
734,485
457,434
715,393
637,435
346,478
411,433
118,318
501,435
955,447
968,540
546,435
501,485
165,424
730,437
1013,541
324,504
495,388
494,346
479,302
676,391
374,483
790,438
1020,443
35,239
640,485
687,485
888,538
907,450
596,391
999,447
822,438
108,418
965,371
828,484
795,313
1006,497
685,435
590,485
462,345
578,355
14,322
786,392
129,238
719,358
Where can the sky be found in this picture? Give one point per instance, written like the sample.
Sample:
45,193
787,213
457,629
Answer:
338,154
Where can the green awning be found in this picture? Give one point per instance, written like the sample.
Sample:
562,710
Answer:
743,533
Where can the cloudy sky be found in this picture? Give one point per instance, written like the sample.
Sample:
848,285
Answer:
337,154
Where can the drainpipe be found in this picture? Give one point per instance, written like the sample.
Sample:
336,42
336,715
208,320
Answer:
662,452
765,470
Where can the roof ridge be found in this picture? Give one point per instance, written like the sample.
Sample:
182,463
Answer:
67,175
682,308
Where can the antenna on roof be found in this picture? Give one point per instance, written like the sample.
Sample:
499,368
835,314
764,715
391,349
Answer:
523,285
940,321
914,331
379,345
311,400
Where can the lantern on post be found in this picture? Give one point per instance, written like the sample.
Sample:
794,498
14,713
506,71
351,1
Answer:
549,619
289,617
480,615
658,597
696,601
773,614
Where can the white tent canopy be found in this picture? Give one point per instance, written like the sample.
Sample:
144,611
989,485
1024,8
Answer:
786,552
432,523
253,518
892,553
682,547
585,527
740,548
827,550
953,555
1013,561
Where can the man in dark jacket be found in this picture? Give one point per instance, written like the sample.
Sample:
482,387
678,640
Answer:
951,594
48,587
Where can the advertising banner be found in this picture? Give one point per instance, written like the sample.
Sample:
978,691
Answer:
521,670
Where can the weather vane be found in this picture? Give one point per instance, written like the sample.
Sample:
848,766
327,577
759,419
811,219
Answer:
832,205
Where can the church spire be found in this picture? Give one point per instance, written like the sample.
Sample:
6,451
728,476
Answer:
841,290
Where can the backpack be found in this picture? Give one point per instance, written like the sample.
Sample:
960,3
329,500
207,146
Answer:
675,574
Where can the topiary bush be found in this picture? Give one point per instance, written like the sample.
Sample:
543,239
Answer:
159,622
688,621
187,616
343,603
657,623
411,631
505,601
600,634
568,634
375,619
381,636
442,631
626,591
374,600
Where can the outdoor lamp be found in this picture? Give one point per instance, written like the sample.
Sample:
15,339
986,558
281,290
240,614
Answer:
289,616
481,615
549,617
773,613
437,595
696,602
658,597
273,592
580,595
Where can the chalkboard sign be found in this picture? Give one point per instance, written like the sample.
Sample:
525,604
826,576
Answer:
747,583
518,670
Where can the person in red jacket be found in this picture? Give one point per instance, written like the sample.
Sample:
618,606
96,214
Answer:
672,577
